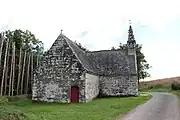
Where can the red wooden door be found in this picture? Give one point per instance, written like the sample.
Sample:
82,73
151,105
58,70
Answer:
74,94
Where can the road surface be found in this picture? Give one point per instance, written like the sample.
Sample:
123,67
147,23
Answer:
162,106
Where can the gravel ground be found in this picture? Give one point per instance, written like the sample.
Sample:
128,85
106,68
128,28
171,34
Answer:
162,106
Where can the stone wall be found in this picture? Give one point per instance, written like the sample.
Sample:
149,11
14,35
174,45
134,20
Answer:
56,73
118,85
50,90
133,60
132,64
91,86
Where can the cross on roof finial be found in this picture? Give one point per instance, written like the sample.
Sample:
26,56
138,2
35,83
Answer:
129,22
61,31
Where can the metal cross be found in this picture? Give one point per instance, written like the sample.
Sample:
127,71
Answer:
61,31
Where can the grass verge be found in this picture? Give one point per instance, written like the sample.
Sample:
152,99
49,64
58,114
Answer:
155,90
98,109
177,92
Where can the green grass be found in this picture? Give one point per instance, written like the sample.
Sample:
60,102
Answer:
155,90
177,92
98,109
161,89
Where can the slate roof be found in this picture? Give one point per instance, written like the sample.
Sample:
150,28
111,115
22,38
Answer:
106,62
110,62
81,55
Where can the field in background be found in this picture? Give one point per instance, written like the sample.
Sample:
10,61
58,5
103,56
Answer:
159,85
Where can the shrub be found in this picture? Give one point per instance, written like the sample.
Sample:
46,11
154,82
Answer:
13,116
18,97
156,86
175,86
13,98
3,100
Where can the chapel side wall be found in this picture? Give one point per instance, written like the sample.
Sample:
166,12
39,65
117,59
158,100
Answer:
91,86
118,86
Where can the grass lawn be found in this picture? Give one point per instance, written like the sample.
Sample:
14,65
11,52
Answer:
98,109
177,92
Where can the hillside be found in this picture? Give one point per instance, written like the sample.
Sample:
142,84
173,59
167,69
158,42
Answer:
165,82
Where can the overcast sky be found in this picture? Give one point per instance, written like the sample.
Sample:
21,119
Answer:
101,24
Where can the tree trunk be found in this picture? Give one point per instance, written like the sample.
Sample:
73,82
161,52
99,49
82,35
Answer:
4,67
7,70
10,77
19,70
1,46
31,71
37,62
13,67
22,78
138,78
27,78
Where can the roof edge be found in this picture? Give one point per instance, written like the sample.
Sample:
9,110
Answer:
75,52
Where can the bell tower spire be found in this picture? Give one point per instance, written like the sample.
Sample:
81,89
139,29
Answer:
131,43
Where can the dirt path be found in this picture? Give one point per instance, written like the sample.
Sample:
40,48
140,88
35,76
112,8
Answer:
162,106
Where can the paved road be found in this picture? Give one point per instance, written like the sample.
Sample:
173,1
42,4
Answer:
162,106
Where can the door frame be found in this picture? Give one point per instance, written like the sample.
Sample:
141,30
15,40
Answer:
77,90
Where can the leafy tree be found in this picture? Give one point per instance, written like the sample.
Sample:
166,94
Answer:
113,48
142,64
24,39
27,41
28,44
81,47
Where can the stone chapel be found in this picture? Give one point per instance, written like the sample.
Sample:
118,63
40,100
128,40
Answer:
67,74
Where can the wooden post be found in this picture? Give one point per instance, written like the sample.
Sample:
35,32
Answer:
4,67
7,70
13,67
22,78
1,46
19,70
27,78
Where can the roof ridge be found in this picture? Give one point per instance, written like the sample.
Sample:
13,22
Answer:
102,51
